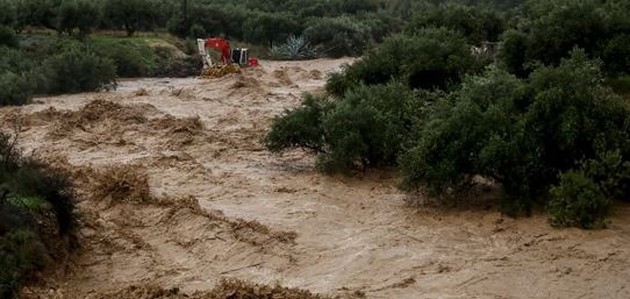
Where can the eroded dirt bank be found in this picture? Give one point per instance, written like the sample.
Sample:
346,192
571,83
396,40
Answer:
178,192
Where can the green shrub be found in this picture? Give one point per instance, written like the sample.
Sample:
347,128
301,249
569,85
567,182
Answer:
611,171
380,24
522,133
476,23
367,128
14,89
301,127
573,115
512,54
577,201
131,59
338,83
78,69
16,60
464,134
342,36
432,58
546,31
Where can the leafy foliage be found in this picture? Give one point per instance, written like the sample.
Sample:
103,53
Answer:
367,128
577,201
523,133
78,69
131,59
464,128
548,30
431,58
300,127
14,89
341,36
477,24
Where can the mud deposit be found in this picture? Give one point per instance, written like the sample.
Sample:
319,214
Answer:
177,193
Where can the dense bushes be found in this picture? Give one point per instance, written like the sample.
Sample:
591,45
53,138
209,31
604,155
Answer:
431,58
522,133
548,30
375,111
578,201
58,66
30,195
300,127
475,23
78,69
342,36
368,127
15,89
559,138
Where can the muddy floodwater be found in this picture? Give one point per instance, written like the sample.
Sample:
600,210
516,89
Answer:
202,200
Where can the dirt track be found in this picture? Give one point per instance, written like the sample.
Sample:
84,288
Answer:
203,200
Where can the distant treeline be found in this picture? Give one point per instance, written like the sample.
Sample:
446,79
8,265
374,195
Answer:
340,27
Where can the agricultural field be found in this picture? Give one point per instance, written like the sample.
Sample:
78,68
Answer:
381,149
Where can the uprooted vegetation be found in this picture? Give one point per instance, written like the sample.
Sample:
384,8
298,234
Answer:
544,139
37,219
